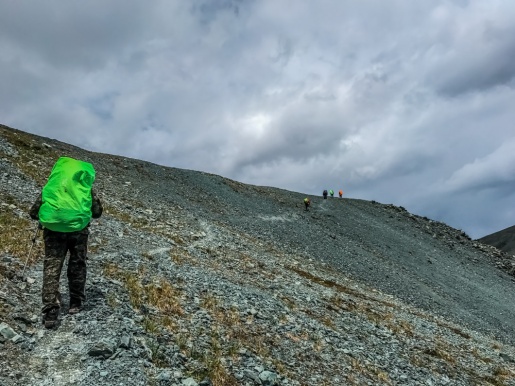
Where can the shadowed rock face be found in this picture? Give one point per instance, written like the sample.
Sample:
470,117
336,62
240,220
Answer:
503,240
197,279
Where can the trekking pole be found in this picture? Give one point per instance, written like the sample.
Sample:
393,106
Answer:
31,247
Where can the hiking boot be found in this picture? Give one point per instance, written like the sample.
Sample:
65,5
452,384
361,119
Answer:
75,306
50,318
74,309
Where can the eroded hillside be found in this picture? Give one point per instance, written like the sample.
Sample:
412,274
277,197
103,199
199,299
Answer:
197,279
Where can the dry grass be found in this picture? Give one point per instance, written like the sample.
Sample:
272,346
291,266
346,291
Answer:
112,270
327,321
290,303
371,372
177,239
16,235
151,325
399,327
499,378
454,329
217,373
210,302
379,317
212,364
112,300
118,214
163,296
209,361
441,352
159,294
501,375
318,345
181,256
445,359
135,288
336,286
233,331
169,323
476,354
496,346
502,372
159,358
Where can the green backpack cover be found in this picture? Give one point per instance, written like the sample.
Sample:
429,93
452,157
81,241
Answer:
67,196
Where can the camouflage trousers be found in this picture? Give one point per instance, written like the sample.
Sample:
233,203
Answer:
57,245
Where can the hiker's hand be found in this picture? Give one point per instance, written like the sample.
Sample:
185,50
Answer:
40,226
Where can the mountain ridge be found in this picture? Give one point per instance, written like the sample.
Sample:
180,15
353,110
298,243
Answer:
503,240
254,283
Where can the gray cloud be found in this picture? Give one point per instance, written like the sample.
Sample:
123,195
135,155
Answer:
81,36
402,102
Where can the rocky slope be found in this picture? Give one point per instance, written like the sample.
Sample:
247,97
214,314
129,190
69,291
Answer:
503,240
195,279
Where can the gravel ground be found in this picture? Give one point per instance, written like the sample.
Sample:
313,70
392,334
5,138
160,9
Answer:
195,279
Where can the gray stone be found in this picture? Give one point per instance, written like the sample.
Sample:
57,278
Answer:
253,376
102,349
164,376
126,341
6,331
507,358
189,382
17,339
269,378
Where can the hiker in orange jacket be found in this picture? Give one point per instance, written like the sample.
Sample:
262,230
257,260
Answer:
340,193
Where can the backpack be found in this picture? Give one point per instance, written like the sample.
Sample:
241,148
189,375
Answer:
67,197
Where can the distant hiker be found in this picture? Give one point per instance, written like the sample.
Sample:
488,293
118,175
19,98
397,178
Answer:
64,209
324,193
331,192
340,193
307,202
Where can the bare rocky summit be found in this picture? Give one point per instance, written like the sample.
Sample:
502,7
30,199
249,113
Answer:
195,279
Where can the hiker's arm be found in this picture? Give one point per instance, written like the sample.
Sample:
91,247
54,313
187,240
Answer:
96,205
34,211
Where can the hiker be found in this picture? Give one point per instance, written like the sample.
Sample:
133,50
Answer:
64,209
340,193
324,193
331,192
307,202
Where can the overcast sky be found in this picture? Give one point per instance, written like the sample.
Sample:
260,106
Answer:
400,101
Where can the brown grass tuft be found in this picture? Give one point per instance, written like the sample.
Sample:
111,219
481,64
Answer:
16,235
